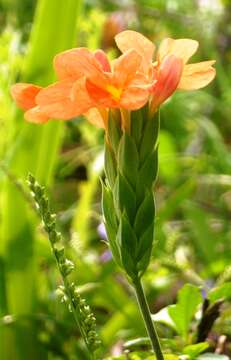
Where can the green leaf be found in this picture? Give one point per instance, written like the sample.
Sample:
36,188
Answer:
147,174
128,238
124,198
149,139
114,129
127,242
143,264
144,252
111,234
128,263
137,123
111,223
128,158
163,317
220,292
148,171
145,214
108,207
110,165
145,242
182,313
195,349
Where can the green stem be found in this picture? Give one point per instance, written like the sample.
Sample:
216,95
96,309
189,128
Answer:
76,317
142,301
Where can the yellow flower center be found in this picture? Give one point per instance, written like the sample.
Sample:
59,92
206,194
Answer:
115,92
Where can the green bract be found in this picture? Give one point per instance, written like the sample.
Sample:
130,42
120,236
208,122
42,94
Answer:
131,165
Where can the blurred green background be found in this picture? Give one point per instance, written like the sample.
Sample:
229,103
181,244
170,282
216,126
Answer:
193,192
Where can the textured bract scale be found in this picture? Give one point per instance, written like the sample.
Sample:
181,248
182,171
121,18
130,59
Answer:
131,165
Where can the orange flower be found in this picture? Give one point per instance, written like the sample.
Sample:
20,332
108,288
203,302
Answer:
89,84
91,81
57,105
24,96
86,81
170,71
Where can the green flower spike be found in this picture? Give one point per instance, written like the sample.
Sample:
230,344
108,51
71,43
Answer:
131,165
69,293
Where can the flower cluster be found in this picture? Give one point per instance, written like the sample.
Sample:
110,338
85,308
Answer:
89,84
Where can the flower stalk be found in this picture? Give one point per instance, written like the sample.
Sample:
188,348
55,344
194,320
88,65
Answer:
82,313
151,330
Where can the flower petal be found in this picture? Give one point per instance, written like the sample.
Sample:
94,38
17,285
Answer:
36,115
168,78
126,67
24,95
57,99
129,39
100,95
134,97
97,116
181,48
197,76
76,63
103,60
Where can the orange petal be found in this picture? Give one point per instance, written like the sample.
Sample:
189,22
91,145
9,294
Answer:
76,63
181,48
97,116
134,98
100,96
142,80
24,95
126,67
168,79
103,60
196,76
36,115
129,39
57,99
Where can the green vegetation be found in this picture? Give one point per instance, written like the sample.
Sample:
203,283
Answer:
188,283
